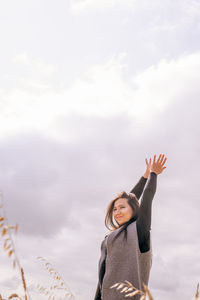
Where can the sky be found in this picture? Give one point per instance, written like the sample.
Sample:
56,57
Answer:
88,90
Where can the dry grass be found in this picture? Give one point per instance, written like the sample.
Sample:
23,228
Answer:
197,292
59,285
9,247
130,291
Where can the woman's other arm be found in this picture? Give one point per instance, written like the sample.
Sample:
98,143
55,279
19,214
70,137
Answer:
144,219
139,187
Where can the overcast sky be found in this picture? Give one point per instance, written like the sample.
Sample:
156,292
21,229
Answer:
88,90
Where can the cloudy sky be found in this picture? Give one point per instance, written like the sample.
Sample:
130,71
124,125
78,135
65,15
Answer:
88,90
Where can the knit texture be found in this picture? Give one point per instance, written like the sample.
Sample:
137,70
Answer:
118,268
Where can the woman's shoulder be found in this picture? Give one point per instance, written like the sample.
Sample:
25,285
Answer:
109,232
132,224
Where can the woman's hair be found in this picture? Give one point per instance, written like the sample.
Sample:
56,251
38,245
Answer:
109,219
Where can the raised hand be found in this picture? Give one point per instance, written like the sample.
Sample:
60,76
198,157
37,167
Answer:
158,165
148,168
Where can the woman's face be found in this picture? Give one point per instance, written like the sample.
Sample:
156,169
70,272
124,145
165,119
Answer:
122,211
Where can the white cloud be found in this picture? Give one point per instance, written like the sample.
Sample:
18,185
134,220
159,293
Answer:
102,92
191,8
186,8
81,5
35,67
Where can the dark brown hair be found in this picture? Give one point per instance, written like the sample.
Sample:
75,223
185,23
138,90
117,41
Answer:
109,221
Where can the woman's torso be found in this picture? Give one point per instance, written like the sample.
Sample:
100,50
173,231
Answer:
124,261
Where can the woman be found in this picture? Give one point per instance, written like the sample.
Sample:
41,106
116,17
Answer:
126,252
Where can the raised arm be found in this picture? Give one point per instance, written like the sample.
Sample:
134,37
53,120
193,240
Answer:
144,219
139,187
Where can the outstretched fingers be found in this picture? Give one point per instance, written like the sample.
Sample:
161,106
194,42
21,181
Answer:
164,161
148,162
159,158
158,165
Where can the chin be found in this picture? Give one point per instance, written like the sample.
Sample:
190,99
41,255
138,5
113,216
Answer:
121,223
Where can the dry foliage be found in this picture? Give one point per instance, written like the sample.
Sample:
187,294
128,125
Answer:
14,296
58,285
131,291
9,247
197,292
147,292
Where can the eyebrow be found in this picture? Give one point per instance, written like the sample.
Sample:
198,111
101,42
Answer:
119,205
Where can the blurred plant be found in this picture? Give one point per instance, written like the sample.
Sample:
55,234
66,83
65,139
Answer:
58,285
9,247
131,291
197,292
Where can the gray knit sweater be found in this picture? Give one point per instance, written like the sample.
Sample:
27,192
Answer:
124,260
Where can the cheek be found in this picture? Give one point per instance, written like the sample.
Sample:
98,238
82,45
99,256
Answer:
130,212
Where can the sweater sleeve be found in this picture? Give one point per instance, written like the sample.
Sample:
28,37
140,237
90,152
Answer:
144,219
139,187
